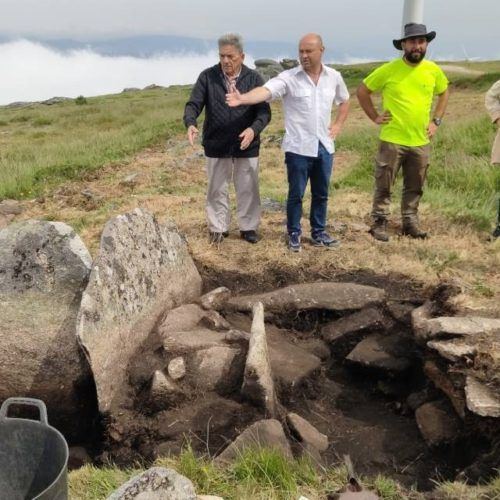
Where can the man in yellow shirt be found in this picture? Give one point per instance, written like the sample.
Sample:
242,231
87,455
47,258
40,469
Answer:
408,86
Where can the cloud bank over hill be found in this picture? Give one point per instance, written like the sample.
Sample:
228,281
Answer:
33,72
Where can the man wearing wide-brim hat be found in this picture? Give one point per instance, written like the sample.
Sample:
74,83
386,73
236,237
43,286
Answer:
408,86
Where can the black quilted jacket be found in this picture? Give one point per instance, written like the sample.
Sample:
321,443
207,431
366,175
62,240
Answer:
223,124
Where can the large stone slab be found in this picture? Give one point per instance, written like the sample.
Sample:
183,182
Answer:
142,270
306,432
44,267
452,350
307,296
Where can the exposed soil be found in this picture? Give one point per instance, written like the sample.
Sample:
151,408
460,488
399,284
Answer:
363,413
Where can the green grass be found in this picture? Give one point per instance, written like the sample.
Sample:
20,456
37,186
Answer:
41,144
263,474
461,183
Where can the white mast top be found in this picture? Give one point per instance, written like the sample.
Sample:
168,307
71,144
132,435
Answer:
413,12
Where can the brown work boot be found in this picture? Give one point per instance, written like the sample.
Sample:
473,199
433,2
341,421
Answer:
412,230
379,229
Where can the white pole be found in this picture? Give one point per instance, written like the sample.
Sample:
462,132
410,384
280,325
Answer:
413,12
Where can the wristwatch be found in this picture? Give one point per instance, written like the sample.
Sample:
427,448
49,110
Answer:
437,121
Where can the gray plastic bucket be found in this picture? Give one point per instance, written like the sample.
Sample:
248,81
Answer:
33,456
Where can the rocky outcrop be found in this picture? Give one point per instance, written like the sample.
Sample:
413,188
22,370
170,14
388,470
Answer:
123,302
44,267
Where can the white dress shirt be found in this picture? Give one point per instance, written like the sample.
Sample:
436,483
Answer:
308,107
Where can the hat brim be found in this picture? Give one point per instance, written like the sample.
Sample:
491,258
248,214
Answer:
428,36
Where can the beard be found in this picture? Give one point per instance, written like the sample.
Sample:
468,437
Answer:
414,57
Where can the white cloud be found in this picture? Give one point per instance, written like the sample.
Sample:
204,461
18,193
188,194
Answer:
33,72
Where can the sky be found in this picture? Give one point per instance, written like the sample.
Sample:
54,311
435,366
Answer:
351,30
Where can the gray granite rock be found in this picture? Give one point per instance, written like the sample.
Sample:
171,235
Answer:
458,325
44,267
142,270
176,368
218,368
157,483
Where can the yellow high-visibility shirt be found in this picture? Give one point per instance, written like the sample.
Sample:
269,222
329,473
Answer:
407,92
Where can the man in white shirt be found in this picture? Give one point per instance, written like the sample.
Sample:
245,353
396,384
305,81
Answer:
308,93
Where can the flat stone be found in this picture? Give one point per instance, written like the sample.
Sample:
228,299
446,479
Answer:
481,399
436,423
457,325
306,432
444,384
142,270
215,299
343,334
177,368
267,434
452,350
179,342
181,319
156,483
130,180
328,296
376,352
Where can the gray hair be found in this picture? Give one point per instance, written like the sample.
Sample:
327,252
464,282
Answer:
231,39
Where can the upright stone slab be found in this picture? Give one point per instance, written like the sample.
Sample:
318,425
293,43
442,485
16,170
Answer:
142,270
258,384
307,296
44,267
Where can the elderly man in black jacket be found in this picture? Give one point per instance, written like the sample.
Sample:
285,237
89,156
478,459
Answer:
230,139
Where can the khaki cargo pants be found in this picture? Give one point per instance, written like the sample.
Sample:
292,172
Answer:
414,162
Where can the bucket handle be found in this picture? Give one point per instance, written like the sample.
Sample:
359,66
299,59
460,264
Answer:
28,402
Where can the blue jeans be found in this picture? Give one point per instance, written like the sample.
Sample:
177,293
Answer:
299,170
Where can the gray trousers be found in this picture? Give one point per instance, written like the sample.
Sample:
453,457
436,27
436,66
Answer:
245,175
414,162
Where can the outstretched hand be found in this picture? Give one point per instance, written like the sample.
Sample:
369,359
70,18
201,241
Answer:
233,99
246,137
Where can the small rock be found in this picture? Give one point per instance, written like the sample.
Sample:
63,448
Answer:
359,228
437,423
262,434
78,457
306,432
177,368
130,180
453,350
215,299
481,399
10,207
214,321
163,392
216,370
156,483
